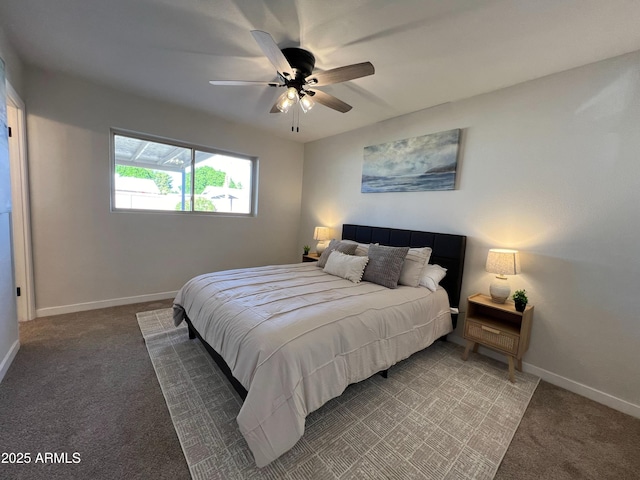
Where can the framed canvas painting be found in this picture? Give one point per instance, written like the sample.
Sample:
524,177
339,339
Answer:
429,162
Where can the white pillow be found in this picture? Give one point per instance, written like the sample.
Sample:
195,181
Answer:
362,249
350,267
413,266
431,276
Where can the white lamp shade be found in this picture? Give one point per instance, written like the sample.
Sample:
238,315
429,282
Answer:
503,262
322,233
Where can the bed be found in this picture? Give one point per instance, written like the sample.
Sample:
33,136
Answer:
292,337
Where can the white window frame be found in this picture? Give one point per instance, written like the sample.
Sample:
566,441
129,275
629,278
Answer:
193,147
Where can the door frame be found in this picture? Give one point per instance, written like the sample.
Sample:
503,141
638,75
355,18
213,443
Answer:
21,211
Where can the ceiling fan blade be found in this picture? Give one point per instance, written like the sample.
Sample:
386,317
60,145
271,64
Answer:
340,74
329,101
243,83
272,52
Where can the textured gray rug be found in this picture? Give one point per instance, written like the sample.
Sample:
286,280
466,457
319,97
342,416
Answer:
435,417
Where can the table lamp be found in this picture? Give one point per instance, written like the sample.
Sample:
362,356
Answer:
502,262
322,234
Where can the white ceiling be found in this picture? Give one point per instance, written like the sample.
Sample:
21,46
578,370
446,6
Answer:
426,52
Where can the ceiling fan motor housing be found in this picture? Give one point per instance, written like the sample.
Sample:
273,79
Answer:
302,61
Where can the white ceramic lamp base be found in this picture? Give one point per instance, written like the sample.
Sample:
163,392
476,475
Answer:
321,247
499,289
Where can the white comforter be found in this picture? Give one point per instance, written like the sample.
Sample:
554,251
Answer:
296,337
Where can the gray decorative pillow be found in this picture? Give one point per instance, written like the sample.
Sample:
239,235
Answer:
336,245
385,265
362,249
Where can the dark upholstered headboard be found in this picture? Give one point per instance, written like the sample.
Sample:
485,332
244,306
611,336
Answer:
448,250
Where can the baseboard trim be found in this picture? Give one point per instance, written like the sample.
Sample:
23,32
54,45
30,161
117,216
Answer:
8,358
563,382
114,302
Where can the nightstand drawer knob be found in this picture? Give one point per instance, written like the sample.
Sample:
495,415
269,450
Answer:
490,330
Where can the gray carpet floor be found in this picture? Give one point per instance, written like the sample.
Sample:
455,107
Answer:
83,382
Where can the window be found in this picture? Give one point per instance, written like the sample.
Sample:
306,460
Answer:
153,174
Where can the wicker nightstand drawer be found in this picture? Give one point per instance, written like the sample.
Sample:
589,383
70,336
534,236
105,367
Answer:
491,337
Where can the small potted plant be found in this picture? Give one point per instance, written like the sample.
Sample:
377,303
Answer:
306,249
520,299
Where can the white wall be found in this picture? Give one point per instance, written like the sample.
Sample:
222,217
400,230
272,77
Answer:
550,167
14,69
84,255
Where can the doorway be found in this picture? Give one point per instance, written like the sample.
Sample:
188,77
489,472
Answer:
20,216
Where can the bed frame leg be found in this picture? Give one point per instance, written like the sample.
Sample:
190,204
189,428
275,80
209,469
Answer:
385,373
192,333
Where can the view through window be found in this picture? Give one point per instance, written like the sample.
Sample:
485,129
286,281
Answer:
151,174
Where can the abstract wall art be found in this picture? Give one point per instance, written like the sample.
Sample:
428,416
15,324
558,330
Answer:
428,162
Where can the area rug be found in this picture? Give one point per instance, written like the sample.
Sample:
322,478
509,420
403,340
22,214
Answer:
435,417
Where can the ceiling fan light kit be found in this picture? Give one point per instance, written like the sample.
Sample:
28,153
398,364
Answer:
287,100
295,72
291,97
306,103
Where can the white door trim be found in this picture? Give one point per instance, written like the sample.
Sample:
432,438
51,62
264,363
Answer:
21,213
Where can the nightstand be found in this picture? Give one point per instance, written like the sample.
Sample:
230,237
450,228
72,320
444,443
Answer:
498,326
311,257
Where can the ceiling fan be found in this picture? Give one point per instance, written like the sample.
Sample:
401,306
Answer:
295,72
